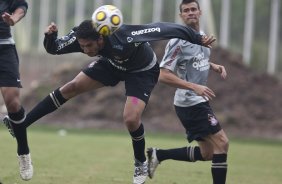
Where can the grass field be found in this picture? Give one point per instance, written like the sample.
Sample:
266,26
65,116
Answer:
104,157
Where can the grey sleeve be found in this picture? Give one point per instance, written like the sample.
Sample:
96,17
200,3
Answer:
172,55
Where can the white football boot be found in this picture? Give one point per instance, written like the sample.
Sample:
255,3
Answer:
140,172
26,168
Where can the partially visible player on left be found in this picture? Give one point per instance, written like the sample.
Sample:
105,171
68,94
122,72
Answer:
12,11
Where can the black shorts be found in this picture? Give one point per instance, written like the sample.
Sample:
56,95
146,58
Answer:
138,84
199,121
9,67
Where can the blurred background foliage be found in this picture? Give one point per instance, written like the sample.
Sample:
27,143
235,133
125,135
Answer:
259,56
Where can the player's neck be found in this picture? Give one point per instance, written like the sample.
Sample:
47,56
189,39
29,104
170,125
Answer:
196,27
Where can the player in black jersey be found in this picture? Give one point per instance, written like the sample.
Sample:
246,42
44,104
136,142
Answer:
11,12
123,56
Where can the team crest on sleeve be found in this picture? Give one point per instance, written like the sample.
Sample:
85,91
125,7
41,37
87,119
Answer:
129,39
213,121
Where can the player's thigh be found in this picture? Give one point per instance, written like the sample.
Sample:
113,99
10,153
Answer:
99,73
80,84
10,92
138,88
141,84
11,97
133,110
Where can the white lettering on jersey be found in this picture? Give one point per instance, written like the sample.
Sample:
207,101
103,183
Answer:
116,66
66,43
137,44
119,47
119,60
145,31
201,64
92,64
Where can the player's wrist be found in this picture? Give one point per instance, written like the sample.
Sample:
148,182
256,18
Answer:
51,34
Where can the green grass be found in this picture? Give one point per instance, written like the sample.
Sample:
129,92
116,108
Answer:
105,157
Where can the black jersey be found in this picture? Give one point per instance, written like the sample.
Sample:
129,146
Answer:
126,49
9,6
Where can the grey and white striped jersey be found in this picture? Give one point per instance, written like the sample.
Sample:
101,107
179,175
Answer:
189,62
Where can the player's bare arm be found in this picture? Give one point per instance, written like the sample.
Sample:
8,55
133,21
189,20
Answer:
169,78
219,69
12,19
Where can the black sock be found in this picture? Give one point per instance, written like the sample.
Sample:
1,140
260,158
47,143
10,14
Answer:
189,154
49,104
219,168
20,131
138,142
17,117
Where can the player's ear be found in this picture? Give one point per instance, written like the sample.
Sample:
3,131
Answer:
181,16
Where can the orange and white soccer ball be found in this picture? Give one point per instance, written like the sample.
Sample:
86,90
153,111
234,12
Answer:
107,19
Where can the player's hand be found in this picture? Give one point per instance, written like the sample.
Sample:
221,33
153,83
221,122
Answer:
219,69
7,18
204,91
208,40
52,28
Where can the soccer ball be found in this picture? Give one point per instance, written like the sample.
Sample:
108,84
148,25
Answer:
107,19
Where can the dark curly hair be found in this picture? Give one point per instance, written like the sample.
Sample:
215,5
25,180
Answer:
85,30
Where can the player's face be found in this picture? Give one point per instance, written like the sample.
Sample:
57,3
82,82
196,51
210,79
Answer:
90,47
190,14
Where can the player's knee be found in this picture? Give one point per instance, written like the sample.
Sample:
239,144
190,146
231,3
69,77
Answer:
70,89
13,105
131,121
206,152
226,145
223,144
207,155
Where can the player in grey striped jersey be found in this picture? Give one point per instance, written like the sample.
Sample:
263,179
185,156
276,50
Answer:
186,66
